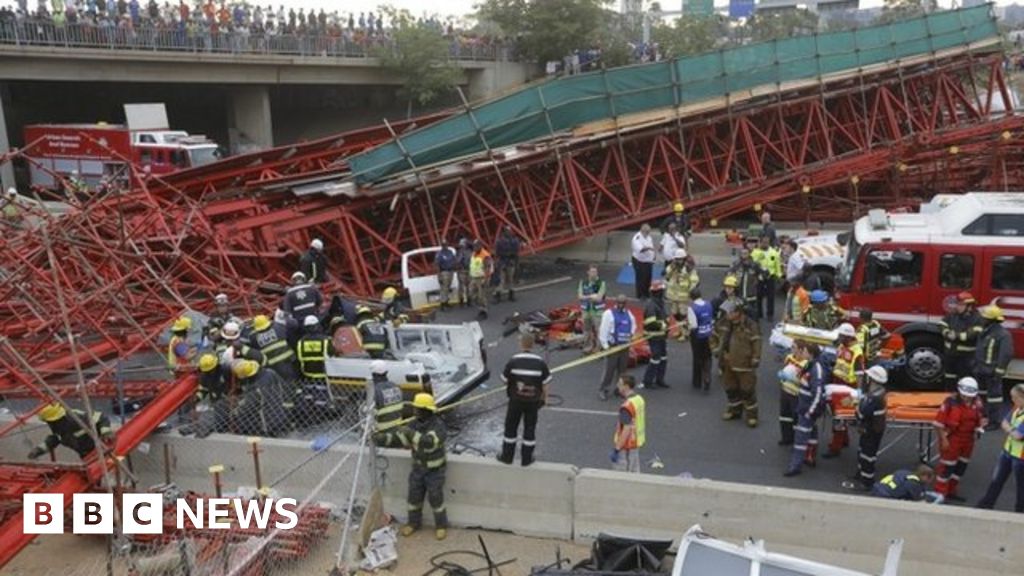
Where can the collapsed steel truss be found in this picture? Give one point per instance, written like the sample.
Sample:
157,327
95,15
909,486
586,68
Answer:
100,283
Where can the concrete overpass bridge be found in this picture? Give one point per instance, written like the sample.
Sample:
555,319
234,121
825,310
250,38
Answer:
247,91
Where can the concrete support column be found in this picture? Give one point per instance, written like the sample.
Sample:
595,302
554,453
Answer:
250,128
7,170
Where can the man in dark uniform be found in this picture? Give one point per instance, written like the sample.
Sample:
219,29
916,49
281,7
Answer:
736,342
809,407
311,351
372,334
387,400
961,328
655,327
65,431
302,298
272,342
526,377
507,250
871,410
213,389
905,485
261,409
425,436
313,263
991,359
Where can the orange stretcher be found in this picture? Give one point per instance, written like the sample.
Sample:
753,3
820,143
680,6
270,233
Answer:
907,412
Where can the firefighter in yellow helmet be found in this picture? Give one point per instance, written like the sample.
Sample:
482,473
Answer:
992,356
736,342
425,436
261,408
680,219
394,312
180,351
66,431
373,336
728,294
212,390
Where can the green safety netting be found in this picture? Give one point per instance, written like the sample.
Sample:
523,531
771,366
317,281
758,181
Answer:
563,103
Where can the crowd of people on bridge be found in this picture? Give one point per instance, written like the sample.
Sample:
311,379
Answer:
185,20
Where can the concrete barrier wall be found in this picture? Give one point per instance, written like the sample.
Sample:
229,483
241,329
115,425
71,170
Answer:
972,541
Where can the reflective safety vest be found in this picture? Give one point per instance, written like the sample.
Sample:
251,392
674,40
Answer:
174,359
622,332
478,264
374,337
387,399
588,288
792,387
635,406
273,346
869,337
312,353
1014,447
798,301
705,314
428,445
849,359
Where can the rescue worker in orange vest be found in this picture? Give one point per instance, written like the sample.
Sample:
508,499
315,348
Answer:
481,267
960,419
789,384
961,328
736,342
630,430
849,363
64,430
798,301
179,351
870,335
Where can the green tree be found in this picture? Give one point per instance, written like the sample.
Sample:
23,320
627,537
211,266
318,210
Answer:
420,56
689,35
902,9
775,25
547,29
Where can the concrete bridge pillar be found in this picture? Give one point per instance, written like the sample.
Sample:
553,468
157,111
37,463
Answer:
7,169
250,128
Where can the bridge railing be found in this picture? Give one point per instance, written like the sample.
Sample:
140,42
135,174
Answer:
152,39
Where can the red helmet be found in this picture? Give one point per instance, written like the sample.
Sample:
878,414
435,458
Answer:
965,298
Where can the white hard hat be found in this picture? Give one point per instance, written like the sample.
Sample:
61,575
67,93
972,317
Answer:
968,387
878,374
230,331
317,244
12,191
280,316
298,277
680,253
846,329
311,321
378,367
220,298
791,373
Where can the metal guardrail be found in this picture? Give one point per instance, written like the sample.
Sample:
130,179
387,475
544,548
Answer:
202,40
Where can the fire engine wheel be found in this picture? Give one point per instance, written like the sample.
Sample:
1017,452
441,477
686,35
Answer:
924,359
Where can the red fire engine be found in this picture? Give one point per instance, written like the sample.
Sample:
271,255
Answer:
905,267
91,154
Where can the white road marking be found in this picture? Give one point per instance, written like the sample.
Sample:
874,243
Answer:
582,411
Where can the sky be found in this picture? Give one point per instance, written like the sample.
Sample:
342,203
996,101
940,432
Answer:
460,8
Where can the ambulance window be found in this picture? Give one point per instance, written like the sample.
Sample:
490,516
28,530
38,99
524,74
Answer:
1008,273
889,269
956,271
147,139
996,225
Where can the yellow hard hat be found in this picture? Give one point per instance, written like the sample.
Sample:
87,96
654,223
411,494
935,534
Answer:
363,310
261,322
731,280
992,312
425,401
52,413
207,362
678,207
245,368
182,324
389,294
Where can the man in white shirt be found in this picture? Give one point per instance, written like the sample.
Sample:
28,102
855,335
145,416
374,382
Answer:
795,262
617,328
643,261
671,242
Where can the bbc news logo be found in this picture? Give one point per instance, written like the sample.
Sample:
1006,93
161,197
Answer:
144,513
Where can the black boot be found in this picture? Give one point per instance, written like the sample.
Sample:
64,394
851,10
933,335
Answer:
511,295
508,453
527,455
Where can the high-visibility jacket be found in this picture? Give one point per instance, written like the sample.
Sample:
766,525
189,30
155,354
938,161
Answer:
792,386
704,314
273,343
635,406
622,330
823,317
478,264
1012,446
769,260
177,352
312,352
588,288
425,437
798,301
67,432
900,485
870,337
387,401
372,334
960,332
849,361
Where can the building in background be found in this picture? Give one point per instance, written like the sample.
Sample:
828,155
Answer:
699,7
